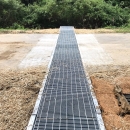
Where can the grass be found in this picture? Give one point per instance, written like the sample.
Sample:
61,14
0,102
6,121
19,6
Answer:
30,31
123,29
5,31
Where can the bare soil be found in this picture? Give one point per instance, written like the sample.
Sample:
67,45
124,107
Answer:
40,31
19,88
18,93
6,54
56,31
91,31
11,54
104,78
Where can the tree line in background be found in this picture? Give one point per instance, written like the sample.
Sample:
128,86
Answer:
54,13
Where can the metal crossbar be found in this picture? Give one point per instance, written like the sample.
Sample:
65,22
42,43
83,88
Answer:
66,102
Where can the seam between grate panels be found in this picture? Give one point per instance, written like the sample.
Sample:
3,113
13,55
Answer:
66,102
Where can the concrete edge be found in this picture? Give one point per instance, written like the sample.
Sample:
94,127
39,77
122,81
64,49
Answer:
35,110
98,112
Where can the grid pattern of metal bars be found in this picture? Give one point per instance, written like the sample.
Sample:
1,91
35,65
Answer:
127,96
66,102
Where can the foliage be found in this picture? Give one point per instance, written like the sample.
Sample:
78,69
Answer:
121,3
54,13
11,11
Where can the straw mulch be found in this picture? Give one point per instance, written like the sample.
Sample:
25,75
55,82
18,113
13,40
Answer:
18,93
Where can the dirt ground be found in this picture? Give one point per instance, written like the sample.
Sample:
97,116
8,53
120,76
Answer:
104,78
56,31
11,54
19,87
15,48
40,31
106,72
117,46
18,93
93,31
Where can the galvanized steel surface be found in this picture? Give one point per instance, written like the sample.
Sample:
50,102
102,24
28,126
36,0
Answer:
66,103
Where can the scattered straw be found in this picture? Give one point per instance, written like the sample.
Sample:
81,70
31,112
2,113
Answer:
18,93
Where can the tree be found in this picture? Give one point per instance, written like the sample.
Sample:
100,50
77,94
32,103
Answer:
11,11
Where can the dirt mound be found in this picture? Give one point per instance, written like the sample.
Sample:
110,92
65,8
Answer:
104,80
18,93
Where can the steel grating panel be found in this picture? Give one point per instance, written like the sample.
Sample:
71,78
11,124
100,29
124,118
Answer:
127,96
66,102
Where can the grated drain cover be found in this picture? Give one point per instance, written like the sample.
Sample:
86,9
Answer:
127,96
66,102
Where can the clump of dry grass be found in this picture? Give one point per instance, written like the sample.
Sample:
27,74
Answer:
18,93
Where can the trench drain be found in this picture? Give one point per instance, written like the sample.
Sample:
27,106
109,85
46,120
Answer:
66,101
127,96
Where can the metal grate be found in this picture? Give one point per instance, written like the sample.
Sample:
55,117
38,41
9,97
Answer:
66,102
127,96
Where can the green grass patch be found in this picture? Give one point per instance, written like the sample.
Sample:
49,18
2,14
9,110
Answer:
6,31
123,29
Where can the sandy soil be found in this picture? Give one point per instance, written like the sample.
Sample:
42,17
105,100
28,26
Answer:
14,48
18,93
117,46
11,54
101,49
91,31
119,53
106,73
24,85
56,31
104,78
17,38
19,87
40,31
